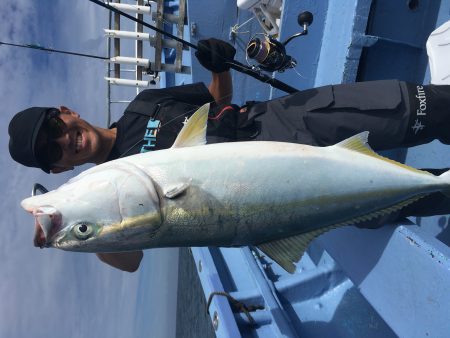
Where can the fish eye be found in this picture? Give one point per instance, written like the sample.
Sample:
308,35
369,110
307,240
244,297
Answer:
83,230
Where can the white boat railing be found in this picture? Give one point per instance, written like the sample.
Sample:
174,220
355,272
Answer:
146,71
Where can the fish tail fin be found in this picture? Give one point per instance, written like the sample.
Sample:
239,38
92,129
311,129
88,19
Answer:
446,177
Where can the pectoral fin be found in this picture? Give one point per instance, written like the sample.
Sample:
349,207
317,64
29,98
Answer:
289,250
176,189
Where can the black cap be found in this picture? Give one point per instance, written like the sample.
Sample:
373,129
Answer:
23,131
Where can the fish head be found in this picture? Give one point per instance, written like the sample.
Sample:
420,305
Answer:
107,209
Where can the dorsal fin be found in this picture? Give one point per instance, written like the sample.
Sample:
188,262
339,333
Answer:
194,131
359,144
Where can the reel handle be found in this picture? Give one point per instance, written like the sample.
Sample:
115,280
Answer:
305,18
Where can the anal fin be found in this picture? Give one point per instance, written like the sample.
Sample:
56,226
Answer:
289,250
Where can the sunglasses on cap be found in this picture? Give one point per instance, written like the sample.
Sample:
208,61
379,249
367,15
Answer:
49,151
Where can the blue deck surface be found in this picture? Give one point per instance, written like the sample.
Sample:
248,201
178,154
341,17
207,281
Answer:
352,282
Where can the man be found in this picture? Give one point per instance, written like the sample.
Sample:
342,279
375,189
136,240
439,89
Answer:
396,114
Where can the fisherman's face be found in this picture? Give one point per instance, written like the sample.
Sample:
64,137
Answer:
77,140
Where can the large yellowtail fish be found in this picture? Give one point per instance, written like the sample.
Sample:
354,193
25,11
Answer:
277,196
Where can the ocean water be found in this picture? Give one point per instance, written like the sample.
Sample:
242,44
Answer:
192,318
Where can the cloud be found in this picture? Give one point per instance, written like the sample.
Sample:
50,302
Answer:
48,293
17,22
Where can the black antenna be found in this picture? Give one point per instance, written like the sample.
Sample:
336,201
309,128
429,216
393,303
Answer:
233,64
31,46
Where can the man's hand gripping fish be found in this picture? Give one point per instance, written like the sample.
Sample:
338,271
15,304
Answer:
277,196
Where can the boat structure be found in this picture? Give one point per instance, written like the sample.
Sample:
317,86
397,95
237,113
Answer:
386,282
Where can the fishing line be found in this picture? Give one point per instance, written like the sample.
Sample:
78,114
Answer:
233,64
236,27
298,73
31,46
171,120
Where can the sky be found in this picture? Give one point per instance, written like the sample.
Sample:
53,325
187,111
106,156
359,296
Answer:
50,293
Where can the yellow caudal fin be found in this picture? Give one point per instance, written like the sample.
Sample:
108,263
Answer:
359,144
194,131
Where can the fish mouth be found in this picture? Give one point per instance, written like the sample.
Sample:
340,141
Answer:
46,226
39,240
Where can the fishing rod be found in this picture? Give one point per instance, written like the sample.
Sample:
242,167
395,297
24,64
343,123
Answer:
233,64
31,46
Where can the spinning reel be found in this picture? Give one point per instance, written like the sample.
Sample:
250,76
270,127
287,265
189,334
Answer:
270,54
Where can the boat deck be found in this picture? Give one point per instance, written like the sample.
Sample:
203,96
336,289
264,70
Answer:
352,282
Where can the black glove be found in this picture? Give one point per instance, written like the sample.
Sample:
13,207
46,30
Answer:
213,54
